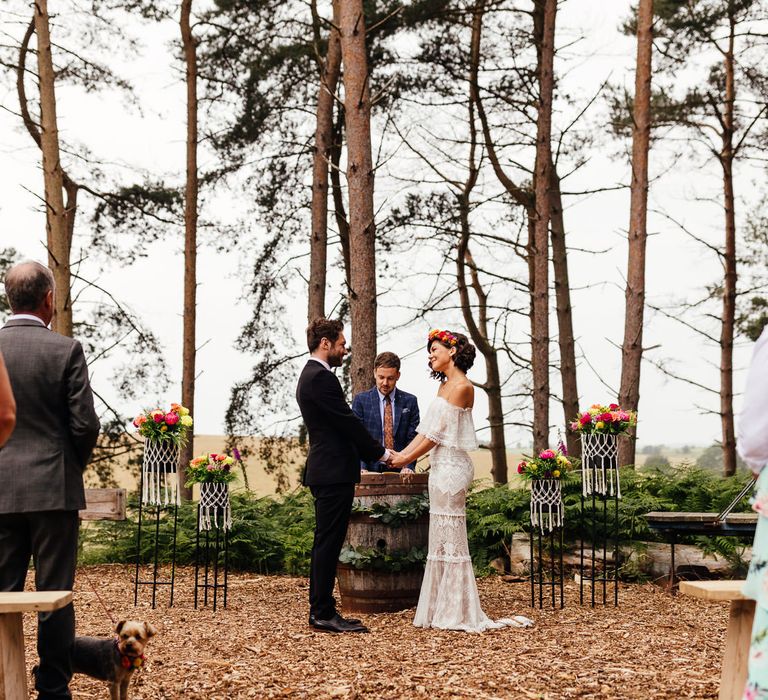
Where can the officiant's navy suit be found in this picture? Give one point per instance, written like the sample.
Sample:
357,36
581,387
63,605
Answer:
368,407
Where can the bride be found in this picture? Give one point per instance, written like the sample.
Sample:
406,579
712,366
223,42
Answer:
449,598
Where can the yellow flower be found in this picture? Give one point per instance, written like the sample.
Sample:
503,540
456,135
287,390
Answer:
186,420
562,460
556,473
594,411
163,428
599,425
183,411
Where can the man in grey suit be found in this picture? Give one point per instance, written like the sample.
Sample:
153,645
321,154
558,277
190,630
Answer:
42,464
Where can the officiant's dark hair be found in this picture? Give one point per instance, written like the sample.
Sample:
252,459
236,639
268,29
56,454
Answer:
464,357
320,328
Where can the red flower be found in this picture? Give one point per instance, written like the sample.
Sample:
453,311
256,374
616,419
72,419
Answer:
606,417
614,407
521,467
585,419
158,417
171,418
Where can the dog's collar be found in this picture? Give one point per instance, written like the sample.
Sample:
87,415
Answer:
129,661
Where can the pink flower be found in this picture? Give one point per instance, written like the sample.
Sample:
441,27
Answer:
171,418
546,454
575,425
623,415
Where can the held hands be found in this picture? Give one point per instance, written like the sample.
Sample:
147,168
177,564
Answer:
398,460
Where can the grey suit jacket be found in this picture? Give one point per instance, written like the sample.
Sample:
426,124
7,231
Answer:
42,464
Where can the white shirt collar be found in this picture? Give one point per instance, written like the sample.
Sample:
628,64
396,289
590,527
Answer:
26,317
322,362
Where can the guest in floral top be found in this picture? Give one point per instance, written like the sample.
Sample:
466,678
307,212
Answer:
753,447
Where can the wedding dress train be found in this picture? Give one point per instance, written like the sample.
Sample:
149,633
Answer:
449,597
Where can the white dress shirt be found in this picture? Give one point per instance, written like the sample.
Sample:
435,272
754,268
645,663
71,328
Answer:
752,433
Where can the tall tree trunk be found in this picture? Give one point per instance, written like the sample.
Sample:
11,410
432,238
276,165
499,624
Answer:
542,198
190,237
57,229
362,231
566,340
339,212
729,262
329,76
478,327
632,347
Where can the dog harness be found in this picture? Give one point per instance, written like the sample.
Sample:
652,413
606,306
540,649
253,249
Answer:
129,661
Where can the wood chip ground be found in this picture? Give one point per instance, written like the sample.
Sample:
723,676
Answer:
651,646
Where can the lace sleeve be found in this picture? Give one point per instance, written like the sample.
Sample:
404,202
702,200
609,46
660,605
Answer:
448,425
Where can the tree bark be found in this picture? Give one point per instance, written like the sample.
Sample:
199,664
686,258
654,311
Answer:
729,261
318,261
189,44
478,326
56,215
360,177
632,347
566,340
540,251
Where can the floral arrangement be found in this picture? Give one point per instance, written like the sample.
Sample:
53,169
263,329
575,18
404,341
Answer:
212,468
162,425
609,420
443,336
550,464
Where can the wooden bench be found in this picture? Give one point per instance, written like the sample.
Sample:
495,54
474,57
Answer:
104,504
13,670
733,676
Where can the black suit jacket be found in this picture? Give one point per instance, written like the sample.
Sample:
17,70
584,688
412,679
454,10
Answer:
337,438
41,465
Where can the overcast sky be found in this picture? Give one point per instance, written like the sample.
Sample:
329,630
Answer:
153,140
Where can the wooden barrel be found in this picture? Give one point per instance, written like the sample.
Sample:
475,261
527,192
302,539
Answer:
373,591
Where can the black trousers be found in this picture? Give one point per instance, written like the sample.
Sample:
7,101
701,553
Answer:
50,539
333,506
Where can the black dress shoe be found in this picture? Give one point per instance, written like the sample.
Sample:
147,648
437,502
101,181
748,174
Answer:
336,624
348,620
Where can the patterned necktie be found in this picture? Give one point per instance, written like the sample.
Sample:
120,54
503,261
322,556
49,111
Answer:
389,438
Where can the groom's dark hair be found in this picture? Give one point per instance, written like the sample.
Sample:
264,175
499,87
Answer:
323,328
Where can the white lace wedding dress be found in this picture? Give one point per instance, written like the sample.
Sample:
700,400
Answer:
448,598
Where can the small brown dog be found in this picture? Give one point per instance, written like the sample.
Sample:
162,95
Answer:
113,660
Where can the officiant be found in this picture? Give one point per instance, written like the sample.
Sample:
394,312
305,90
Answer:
390,414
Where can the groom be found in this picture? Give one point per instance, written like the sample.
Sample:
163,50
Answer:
337,443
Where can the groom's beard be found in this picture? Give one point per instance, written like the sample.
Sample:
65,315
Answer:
335,360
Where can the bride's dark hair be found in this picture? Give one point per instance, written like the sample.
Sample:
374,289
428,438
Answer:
465,351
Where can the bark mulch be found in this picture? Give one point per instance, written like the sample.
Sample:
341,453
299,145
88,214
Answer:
651,646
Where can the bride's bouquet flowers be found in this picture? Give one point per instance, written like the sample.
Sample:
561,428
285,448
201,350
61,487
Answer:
212,468
550,464
606,420
160,425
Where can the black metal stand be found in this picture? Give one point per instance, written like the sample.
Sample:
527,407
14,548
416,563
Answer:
155,581
212,554
547,576
602,574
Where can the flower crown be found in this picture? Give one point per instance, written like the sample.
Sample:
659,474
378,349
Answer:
443,336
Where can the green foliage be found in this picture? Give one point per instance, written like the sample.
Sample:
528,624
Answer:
396,514
712,459
381,559
274,534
